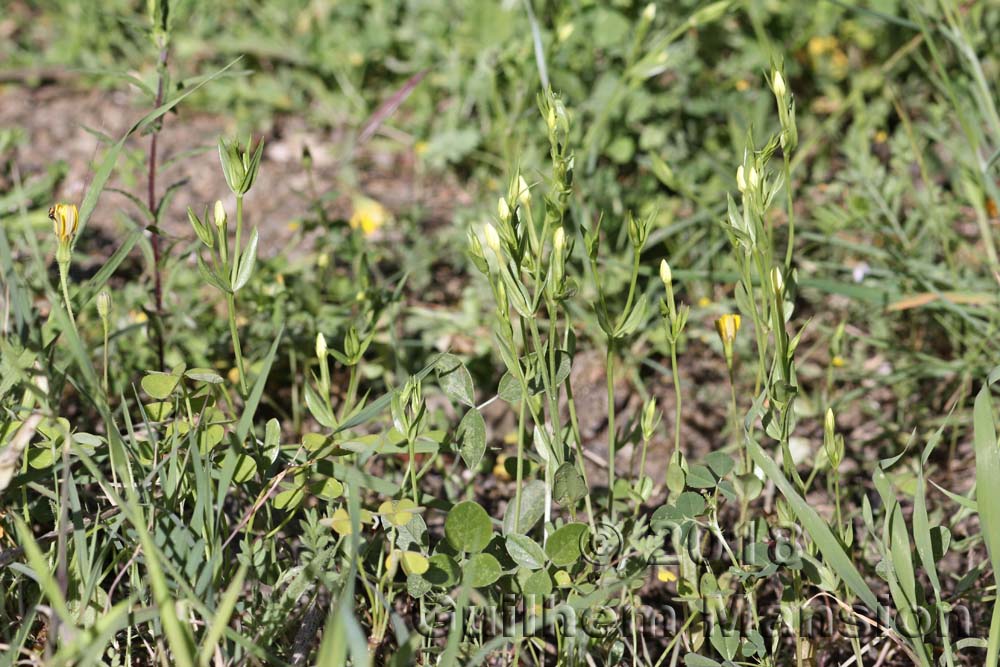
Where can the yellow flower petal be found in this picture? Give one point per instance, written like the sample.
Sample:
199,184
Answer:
368,216
665,575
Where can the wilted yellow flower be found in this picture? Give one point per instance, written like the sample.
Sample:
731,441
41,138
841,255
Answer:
368,215
66,218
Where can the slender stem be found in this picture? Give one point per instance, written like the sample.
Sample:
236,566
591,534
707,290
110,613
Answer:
106,385
151,200
610,373
412,449
677,395
237,350
578,442
235,266
64,284
791,212
520,462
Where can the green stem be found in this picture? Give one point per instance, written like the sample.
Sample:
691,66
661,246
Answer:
106,385
791,212
64,284
411,448
675,372
611,426
239,233
237,350
520,463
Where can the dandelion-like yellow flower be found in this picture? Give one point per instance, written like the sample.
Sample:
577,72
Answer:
368,215
66,219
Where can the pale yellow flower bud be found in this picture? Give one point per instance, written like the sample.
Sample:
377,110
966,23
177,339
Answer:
220,214
492,238
778,84
649,13
503,209
559,240
741,182
665,274
523,192
321,348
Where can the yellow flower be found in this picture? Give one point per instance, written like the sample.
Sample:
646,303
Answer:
66,219
727,326
368,215
500,470
397,512
341,522
704,302
838,362
821,44
665,575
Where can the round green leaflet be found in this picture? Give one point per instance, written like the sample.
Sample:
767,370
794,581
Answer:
481,570
565,545
468,527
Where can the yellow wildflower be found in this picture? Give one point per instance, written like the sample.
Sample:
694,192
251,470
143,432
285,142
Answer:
66,219
727,326
665,575
368,215
500,470
838,362
341,522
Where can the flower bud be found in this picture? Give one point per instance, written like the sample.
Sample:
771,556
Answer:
665,274
727,326
649,13
523,192
559,239
104,305
321,348
492,238
777,281
503,209
219,214
650,419
741,182
778,84
753,180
